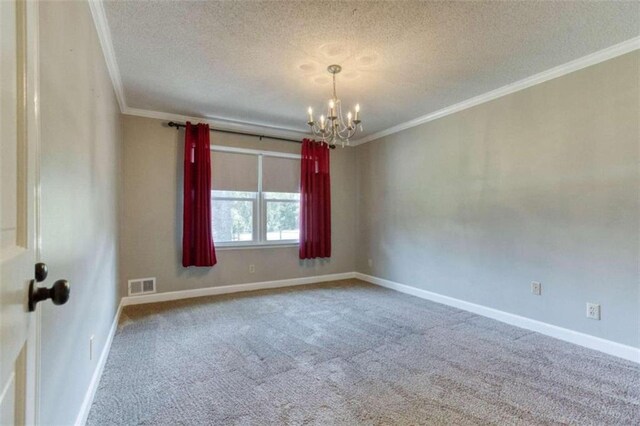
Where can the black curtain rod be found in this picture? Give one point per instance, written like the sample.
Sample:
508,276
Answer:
233,132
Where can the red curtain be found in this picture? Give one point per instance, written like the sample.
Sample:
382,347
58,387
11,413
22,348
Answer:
197,238
315,201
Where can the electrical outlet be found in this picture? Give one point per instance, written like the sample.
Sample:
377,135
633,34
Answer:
252,269
536,288
370,263
91,348
593,311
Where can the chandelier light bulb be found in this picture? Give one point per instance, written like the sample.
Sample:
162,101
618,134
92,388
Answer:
310,116
349,120
322,122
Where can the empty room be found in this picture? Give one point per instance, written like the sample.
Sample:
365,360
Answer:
319,212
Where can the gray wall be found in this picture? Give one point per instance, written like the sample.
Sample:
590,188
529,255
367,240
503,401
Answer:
538,185
152,216
80,180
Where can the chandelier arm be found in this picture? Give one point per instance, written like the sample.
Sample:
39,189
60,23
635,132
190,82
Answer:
347,132
343,125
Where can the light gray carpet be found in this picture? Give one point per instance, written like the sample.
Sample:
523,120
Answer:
349,353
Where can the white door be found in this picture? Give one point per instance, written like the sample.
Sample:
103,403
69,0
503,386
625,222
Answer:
18,151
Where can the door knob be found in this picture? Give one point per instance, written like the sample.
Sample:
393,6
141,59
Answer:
58,293
41,272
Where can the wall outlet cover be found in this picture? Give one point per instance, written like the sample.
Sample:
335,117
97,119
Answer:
593,311
536,288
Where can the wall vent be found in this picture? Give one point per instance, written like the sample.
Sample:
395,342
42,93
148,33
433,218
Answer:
142,286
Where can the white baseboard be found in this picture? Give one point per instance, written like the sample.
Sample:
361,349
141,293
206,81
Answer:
236,288
607,346
591,342
81,419
97,374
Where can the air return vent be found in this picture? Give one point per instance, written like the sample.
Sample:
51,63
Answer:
142,286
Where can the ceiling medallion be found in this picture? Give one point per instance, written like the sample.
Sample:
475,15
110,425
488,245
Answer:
334,127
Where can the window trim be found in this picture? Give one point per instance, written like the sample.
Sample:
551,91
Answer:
260,206
271,245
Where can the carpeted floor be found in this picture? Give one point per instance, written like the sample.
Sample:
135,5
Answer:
349,353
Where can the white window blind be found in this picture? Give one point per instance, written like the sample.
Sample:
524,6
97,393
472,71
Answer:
232,171
280,174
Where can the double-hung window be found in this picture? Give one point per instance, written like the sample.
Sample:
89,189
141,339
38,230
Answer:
255,197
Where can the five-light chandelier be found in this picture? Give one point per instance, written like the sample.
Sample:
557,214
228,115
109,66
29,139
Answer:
334,128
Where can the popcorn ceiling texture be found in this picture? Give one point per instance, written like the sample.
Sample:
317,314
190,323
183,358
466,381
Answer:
265,62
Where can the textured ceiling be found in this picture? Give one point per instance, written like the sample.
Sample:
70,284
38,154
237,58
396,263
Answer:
265,62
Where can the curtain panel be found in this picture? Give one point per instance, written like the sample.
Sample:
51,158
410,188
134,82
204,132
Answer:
197,236
315,201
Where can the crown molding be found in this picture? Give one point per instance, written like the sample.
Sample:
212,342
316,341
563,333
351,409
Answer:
104,35
221,123
575,65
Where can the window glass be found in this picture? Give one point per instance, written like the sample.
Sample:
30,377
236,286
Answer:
283,216
232,218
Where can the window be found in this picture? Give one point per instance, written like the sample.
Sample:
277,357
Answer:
233,216
282,210
255,197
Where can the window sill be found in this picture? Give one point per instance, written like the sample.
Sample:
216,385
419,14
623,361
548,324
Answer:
255,246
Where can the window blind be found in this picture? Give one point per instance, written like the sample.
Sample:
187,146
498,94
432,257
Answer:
231,171
280,174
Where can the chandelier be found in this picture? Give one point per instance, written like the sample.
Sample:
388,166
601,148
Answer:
334,127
